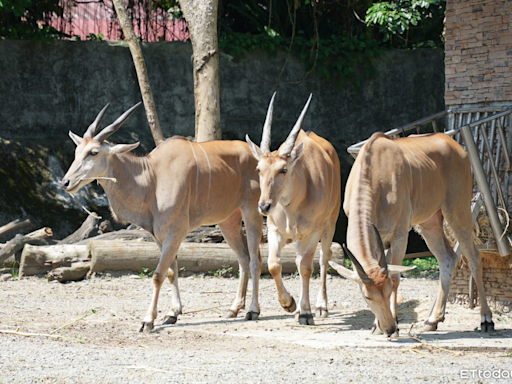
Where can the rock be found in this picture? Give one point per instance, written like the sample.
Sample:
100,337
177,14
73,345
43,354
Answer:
5,277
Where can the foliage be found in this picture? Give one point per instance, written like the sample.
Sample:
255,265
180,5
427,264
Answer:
171,6
146,272
334,57
423,265
28,19
224,271
93,37
396,18
329,36
15,269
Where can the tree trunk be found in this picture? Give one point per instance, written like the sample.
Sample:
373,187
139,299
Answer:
122,255
142,73
201,17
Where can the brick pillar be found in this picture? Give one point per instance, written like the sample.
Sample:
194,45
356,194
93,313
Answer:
478,53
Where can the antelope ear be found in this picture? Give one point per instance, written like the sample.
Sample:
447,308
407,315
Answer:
76,139
296,152
256,151
346,273
122,148
395,269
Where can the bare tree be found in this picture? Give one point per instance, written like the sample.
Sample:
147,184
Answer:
201,17
142,73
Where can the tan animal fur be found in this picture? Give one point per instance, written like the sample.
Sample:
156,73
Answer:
179,186
396,184
301,197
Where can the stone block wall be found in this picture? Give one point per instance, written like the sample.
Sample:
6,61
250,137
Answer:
478,52
497,273
478,73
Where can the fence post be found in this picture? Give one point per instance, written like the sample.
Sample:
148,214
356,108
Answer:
480,178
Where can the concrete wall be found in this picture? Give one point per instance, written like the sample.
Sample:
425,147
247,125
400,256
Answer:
48,89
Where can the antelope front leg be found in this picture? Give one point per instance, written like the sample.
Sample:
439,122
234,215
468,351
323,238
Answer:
394,256
275,245
305,253
169,250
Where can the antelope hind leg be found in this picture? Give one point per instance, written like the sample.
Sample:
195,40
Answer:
463,233
231,229
254,226
172,274
325,255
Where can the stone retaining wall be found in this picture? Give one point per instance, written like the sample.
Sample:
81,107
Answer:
497,274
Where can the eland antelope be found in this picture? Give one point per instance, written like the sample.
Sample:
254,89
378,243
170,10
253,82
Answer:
301,197
398,184
179,186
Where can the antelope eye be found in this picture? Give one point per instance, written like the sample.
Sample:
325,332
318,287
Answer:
284,170
94,152
258,170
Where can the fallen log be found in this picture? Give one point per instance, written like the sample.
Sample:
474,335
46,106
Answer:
135,256
35,260
88,229
41,233
14,226
123,234
18,242
76,272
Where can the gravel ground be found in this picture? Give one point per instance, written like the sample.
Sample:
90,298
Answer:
106,347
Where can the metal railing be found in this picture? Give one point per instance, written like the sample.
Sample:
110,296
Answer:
486,134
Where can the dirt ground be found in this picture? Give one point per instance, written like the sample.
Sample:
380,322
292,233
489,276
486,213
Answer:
203,347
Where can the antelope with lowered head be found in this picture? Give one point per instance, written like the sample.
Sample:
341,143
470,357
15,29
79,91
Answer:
396,184
301,197
179,186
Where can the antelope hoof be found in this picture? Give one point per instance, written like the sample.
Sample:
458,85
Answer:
146,327
429,327
321,312
170,320
252,316
306,319
395,335
292,307
487,326
230,314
